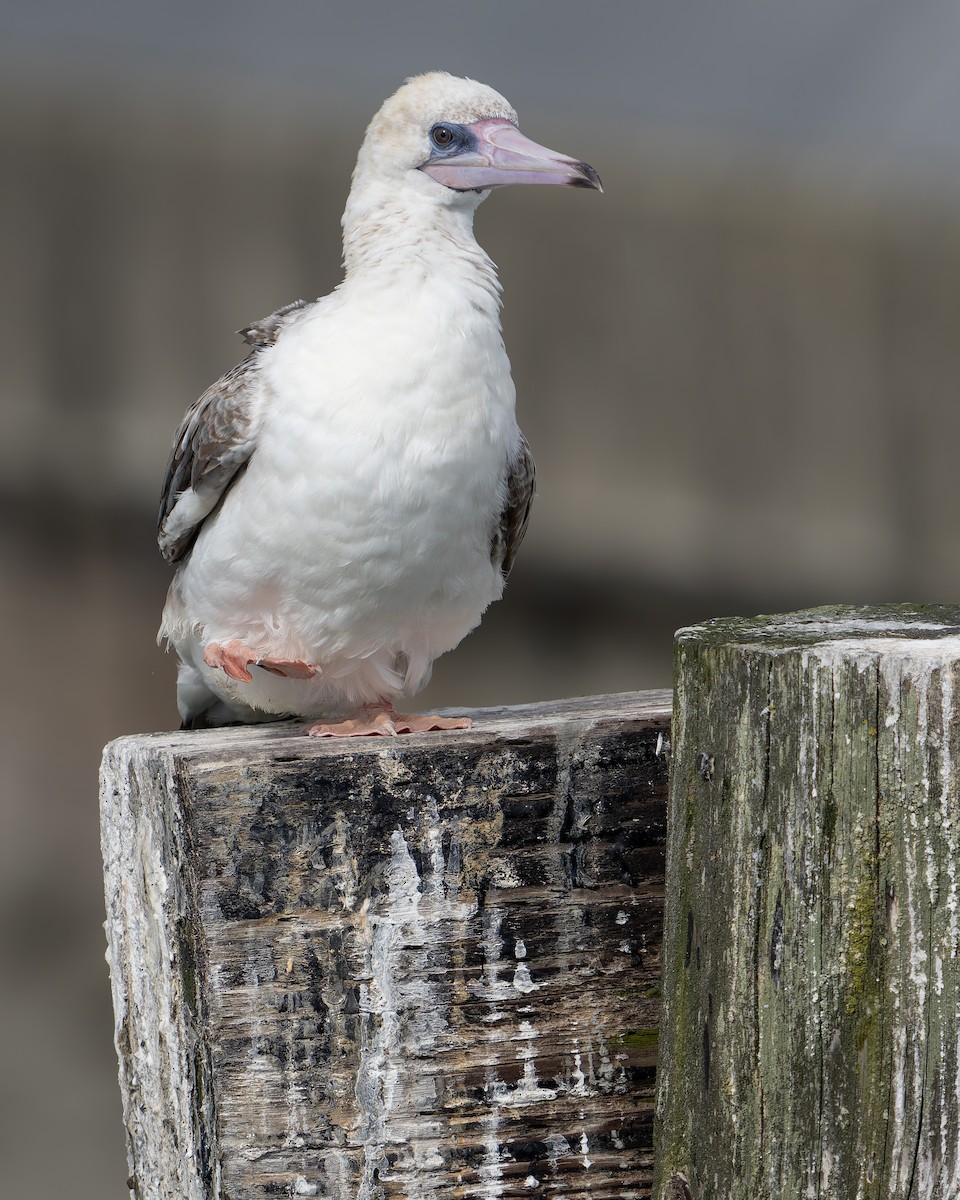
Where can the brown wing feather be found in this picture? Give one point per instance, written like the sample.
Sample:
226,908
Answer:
215,440
520,485
265,332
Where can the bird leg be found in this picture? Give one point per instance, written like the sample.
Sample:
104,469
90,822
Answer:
383,720
236,657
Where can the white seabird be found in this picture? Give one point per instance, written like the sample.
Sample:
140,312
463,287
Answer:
347,501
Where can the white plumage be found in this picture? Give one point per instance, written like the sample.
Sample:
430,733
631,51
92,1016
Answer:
358,486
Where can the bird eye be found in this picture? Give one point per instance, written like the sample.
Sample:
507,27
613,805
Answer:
441,135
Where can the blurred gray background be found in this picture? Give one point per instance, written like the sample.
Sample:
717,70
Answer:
738,369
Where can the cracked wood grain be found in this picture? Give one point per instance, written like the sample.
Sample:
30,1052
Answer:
810,1045
423,967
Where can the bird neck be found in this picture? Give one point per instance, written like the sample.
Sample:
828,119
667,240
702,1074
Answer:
411,237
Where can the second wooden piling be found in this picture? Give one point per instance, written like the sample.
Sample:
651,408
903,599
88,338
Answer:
810,1043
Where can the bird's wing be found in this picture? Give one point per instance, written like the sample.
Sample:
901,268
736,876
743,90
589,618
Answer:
215,440
521,480
265,332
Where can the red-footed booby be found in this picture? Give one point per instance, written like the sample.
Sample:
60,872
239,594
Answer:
347,501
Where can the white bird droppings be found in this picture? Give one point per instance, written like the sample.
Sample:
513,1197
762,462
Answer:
522,980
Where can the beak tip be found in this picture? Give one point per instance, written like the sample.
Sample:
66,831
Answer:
587,177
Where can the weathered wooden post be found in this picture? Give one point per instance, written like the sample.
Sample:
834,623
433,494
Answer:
421,967
811,1032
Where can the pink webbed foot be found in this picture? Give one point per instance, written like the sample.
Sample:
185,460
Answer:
382,720
235,658
427,722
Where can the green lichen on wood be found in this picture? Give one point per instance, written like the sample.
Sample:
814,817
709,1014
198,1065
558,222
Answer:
637,1039
649,991
864,949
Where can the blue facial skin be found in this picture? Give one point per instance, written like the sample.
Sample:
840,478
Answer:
463,140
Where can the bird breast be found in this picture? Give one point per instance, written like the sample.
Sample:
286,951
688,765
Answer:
366,512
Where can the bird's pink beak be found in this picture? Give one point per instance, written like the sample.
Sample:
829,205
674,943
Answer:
499,155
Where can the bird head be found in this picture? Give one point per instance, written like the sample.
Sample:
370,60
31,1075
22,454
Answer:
452,140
